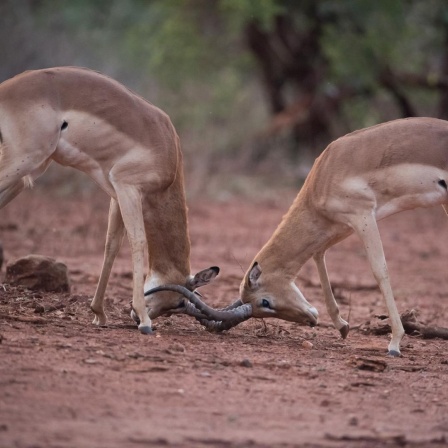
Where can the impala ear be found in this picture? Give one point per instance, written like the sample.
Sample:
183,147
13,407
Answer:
254,276
202,278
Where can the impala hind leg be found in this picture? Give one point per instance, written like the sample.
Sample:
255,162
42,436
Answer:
130,202
330,301
114,239
366,228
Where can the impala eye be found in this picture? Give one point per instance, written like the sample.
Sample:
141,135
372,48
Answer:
265,304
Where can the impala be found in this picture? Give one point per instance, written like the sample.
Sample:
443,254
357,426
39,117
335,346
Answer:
359,179
80,118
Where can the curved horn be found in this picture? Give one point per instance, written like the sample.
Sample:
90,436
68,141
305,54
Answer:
218,326
232,313
234,305
191,310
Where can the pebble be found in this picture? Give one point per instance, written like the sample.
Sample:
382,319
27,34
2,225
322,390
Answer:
353,420
91,361
39,309
246,363
307,345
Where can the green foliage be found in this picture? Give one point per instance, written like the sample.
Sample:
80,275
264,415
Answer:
191,58
183,40
169,42
239,12
371,35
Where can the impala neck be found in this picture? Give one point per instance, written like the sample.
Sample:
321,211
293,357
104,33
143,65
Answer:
299,236
166,228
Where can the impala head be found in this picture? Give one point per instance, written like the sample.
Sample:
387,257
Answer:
273,296
171,302
259,298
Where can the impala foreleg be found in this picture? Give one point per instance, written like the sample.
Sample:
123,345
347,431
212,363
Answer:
114,239
330,301
367,229
130,202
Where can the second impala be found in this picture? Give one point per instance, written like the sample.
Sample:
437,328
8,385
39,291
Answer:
359,179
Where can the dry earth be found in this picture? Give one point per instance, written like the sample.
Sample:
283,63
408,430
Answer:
65,383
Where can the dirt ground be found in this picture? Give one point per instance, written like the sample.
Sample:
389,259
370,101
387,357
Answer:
66,383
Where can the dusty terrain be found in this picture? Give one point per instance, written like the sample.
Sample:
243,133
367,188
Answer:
65,383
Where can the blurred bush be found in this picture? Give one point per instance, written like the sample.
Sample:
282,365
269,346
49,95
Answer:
252,86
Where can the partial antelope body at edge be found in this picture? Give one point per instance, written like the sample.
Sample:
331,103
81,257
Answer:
129,147
359,179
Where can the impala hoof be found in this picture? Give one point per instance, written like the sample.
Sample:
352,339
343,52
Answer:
394,353
145,329
99,321
344,331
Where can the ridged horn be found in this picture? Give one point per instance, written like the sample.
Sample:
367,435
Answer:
218,326
234,305
235,312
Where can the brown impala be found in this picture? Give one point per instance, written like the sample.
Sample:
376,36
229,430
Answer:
359,179
80,118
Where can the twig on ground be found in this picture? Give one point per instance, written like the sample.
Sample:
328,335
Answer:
411,326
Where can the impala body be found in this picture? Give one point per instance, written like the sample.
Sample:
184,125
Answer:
80,118
359,179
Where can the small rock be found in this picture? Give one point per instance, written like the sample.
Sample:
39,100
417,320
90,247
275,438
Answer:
307,345
246,363
233,417
37,272
353,421
284,364
39,309
91,361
